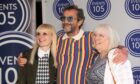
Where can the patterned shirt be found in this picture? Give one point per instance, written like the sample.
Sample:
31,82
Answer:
42,76
74,56
95,74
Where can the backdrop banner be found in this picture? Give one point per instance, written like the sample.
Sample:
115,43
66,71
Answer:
17,29
123,15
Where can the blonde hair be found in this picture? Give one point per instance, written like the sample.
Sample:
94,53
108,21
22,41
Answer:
53,44
114,38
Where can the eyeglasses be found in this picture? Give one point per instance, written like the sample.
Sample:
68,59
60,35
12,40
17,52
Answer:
69,18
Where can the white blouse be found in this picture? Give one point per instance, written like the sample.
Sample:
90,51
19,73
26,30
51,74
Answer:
122,72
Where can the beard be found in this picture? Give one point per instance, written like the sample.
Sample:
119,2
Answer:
68,28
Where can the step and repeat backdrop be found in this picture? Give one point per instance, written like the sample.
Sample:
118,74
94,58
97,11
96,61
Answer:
17,28
123,15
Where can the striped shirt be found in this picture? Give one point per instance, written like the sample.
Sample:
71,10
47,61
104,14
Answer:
73,57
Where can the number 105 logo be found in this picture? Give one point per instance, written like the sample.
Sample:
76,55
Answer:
136,74
132,41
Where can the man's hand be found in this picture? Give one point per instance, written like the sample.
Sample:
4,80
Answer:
121,55
21,61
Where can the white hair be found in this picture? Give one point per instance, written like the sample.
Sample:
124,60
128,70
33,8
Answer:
114,38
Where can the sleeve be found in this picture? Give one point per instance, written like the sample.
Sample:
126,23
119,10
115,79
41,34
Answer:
92,41
122,72
22,71
94,52
21,75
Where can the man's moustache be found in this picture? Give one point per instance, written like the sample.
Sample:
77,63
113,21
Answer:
66,24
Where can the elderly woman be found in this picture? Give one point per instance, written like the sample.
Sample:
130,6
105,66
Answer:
104,70
41,60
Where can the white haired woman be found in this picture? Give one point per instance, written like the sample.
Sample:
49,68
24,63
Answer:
104,70
40,67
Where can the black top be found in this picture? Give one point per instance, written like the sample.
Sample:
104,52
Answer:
27,74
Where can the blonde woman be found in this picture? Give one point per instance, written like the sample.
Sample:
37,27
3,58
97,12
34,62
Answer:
41,60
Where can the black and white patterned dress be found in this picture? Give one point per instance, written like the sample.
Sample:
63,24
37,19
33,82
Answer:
43,70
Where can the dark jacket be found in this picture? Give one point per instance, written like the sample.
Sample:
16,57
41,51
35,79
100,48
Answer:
27,74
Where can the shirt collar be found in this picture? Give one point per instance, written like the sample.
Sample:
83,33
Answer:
76,37
42,53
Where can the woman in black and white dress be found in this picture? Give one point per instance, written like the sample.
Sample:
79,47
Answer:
40,67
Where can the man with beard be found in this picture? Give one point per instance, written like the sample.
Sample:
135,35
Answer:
74,48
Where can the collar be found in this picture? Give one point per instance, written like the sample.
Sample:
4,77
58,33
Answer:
42,53
76,37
